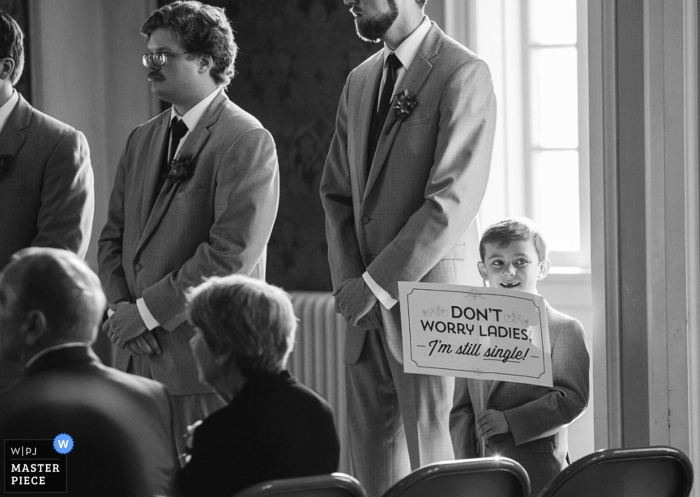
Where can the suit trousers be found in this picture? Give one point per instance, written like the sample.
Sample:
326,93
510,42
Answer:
397,421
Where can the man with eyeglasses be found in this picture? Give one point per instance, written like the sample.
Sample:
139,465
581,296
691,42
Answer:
46,179
195,195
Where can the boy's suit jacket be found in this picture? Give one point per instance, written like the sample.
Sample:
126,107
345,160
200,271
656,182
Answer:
216,223
538,416
46,190
66,381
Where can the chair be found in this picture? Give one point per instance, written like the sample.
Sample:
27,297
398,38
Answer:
333,485
487,476
651,471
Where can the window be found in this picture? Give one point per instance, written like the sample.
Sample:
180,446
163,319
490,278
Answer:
537,52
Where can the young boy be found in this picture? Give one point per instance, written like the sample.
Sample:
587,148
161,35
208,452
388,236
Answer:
527,423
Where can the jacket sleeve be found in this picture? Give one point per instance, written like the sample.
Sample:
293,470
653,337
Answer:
568,397
336,195
67,196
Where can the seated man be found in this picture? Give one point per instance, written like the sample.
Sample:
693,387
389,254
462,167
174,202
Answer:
272,426
51,304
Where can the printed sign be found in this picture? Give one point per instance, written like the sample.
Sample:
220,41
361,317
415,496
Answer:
475,332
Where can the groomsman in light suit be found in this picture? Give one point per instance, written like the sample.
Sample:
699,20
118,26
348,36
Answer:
184,208
402,185
46,180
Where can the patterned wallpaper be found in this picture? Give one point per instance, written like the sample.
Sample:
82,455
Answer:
294,56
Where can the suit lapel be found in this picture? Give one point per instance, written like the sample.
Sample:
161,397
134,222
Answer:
11,137
367,106
156,155
192,147
413,82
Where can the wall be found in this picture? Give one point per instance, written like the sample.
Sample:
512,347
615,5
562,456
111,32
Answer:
94,82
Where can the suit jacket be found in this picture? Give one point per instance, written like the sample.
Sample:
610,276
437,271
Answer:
538,416
65,382
410,216
46,191
274,428
216,223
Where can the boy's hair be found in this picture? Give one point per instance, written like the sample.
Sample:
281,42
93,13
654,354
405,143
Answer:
503,232
12,44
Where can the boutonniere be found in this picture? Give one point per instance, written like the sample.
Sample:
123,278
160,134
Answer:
181,169
5,161
404,104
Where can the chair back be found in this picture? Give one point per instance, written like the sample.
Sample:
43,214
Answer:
649,471
487,476
333,485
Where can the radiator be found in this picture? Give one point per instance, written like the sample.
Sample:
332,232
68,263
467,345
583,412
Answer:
317,359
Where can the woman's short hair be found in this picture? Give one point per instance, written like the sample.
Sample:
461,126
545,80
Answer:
202,29
248,318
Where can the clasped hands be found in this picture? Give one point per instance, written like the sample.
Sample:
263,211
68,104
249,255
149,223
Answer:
357,304
126,329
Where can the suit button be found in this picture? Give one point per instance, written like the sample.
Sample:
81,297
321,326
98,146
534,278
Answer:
137,267
365,219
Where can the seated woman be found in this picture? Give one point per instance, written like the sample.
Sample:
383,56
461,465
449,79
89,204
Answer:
273,426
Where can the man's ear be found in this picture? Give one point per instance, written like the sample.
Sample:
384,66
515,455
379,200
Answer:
7,67
205,62
35,328
482,270
544,269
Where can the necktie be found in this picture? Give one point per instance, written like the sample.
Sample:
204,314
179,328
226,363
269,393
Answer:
393,65
178,129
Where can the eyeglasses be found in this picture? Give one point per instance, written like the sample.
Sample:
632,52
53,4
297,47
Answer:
158,59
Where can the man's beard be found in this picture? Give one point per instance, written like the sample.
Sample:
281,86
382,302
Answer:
372,30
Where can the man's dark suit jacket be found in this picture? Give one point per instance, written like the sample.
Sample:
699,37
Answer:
67,381
274,428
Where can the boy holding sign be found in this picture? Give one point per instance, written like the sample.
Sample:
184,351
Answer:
527,423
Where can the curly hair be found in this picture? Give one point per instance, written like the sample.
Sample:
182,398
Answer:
12,44
202,29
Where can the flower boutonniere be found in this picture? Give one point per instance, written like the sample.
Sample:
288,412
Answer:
181,169
404,104
5,161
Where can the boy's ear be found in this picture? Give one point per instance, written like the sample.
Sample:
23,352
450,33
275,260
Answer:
544,269
482,270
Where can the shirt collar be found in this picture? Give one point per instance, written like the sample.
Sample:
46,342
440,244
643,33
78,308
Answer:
193,115
52,348
8,107
408,49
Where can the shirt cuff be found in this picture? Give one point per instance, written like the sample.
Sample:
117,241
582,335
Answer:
146,315
382,295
